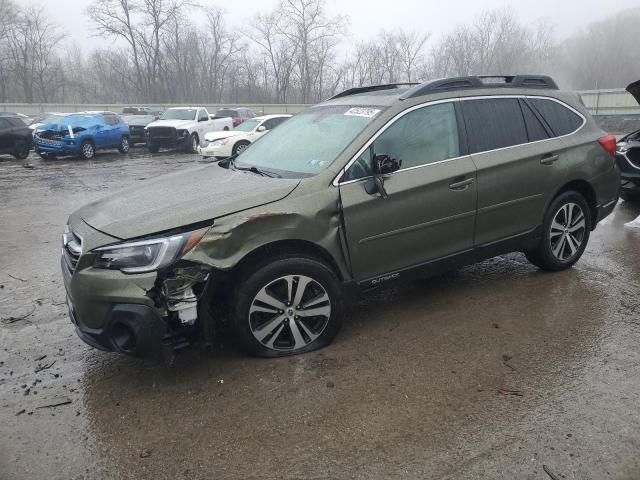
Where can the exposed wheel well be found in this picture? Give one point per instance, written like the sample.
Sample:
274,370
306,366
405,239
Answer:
586,190
263,254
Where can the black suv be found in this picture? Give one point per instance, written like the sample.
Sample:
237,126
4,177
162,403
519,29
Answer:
15,137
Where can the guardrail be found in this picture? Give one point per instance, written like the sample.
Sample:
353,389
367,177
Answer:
599,102
34,108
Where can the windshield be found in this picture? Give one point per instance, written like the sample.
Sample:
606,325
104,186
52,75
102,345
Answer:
310,141
179,114
247,126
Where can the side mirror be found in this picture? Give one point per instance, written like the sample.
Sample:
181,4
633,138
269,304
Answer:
385,165
262,128
381,165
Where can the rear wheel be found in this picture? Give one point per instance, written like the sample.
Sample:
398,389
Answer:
21,150
240,147
87,150
567,226
290,306
124,145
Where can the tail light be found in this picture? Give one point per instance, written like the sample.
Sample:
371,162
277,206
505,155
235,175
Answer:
608,142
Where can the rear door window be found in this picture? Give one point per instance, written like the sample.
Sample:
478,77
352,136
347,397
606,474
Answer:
494,123
4,124
561,120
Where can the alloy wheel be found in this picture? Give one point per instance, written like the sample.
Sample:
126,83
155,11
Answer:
289,313
124,144
88,150
567,232
241,148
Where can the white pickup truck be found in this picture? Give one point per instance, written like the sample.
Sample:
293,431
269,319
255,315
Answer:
183,127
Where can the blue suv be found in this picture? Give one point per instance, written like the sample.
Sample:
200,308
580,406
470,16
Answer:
81,134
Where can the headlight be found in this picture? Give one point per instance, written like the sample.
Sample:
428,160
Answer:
147,255
220,143
183,133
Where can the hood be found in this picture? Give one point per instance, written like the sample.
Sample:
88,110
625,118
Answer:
171,123
634,89
211,136
182,198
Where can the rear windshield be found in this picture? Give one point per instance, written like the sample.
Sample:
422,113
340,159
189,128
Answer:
227,113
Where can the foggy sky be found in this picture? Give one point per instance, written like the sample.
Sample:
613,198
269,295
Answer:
367,17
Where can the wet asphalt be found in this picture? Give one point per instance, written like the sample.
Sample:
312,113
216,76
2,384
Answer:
495,371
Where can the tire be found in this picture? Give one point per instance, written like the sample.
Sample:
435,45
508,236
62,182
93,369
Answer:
194,142
87,150
124,145
565,233
21,150
226,129
239,147
265,330
630,195
153,148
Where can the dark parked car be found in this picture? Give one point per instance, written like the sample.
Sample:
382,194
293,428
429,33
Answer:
238,114
378,184
15,136
136,111
628,156
137,124
81,134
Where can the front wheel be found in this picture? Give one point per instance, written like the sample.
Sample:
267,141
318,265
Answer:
21,150
124,145
290,306
240,147
193,143
87,150
567,226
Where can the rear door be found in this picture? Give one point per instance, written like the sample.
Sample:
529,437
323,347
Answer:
518,165
430,209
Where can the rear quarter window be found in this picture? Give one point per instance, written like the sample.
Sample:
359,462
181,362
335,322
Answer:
561,120
494,123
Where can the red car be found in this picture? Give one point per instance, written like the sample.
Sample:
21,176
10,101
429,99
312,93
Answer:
238,115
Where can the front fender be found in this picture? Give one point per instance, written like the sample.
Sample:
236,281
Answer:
314,218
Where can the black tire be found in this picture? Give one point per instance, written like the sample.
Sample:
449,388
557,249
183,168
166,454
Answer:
239,147
226,129
21,150
194,142
245,322
124,145
556,250
153,148
87,150
630,195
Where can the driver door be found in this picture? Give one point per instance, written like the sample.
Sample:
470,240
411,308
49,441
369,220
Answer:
430,209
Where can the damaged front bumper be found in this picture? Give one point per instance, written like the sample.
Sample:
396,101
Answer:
148,315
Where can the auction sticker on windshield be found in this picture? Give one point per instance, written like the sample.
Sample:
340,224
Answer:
362,112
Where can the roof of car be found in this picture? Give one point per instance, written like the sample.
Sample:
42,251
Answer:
388,94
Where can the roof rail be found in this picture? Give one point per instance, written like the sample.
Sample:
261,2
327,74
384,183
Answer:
372,88
481,81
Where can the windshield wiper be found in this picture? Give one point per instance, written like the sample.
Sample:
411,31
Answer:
265,173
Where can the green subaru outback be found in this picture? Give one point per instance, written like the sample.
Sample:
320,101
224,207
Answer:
376,185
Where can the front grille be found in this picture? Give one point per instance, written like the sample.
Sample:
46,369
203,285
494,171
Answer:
71,250
162,133
136,131
47,141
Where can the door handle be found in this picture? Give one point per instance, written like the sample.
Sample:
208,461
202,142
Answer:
549,159
461,185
